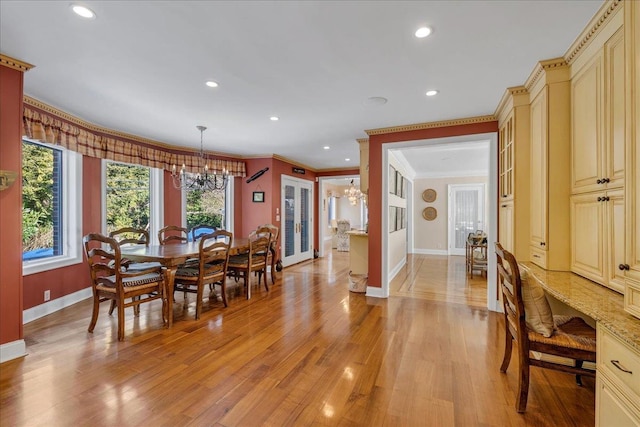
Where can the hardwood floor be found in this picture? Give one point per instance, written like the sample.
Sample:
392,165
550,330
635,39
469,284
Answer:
308,353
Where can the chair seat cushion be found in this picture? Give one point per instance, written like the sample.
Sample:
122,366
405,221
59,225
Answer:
130,283
194,271
571,332
137,266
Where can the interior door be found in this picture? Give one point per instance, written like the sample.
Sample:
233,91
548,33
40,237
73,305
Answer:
297,224
466,214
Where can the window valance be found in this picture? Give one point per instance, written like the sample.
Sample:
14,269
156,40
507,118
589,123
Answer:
49,125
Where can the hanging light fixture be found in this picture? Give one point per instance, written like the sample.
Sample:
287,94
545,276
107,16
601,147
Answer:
205,180
353,194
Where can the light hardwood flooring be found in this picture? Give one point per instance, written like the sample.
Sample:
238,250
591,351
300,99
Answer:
306,353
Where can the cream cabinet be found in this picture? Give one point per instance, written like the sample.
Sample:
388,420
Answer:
598,237
598,119
506,225
632,183
617,381
549,156
505,140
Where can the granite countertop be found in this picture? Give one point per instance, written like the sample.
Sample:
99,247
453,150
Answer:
598,302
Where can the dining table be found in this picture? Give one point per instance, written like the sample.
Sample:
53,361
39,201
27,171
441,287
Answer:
171,256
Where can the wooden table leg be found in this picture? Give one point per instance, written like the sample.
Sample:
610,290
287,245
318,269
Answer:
171,276
273,265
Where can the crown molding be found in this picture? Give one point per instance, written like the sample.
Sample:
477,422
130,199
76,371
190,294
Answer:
507,98
592,29
362,140
544,67
15,64
432,125
32,102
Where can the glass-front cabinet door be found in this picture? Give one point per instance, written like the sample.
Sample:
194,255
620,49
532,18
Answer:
297,221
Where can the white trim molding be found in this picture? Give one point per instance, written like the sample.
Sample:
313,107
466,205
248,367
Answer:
430,251
377,292
12,350
57,304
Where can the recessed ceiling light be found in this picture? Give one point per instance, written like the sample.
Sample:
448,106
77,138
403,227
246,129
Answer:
422,32
431,92
326,147
83,11
347,159
211,83
375,100
274,118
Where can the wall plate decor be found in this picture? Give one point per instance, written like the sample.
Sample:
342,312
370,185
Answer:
429,195
429,213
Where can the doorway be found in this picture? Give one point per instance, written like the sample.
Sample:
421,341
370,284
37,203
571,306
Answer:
466,214
297,210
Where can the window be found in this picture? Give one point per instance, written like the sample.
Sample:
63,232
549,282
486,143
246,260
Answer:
212,208
132,197
51,207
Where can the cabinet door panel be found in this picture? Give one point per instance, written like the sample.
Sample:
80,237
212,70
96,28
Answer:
615,107
587,127
507,226
616,234
587,223
539,177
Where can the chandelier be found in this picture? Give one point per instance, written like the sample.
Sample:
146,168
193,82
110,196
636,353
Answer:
203,181
353,194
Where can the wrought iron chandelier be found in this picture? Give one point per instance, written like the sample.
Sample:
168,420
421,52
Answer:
203,181
353,194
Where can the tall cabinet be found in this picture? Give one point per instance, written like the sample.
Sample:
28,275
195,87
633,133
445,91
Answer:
598,157
513,167
549,89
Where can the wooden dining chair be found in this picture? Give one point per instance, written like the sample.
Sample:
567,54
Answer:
173,234
213,257
200,230
538,330
253,260
110,281
272,259
131,236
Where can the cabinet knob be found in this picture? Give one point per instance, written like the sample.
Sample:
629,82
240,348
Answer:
599,181
624,267
600,199
543,244
605,199
605,180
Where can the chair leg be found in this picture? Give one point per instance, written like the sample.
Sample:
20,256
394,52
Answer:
523,387
94,316
121,321
136,308
508,346
247,284
113,306
198,300
266,286
578,376
223,291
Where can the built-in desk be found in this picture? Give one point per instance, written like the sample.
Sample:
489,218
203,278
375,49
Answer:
601,304
617,347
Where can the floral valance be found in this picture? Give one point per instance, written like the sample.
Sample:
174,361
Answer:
89,140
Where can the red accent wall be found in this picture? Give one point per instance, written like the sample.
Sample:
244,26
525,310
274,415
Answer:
11,206
375,181
172,204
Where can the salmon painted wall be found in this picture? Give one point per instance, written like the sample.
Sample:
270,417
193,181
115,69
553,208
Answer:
375,180
172,204
255,214
11,206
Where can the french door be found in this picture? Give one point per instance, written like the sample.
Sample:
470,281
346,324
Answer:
466,214
297,222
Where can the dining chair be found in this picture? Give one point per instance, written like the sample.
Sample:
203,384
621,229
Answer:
253,260
131,236
110,281
213,258
529,321
273,247
200,230
172,234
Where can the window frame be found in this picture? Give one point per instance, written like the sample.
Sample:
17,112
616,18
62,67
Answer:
71,215
156,197
228,202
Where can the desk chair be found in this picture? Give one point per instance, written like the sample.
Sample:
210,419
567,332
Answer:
538,330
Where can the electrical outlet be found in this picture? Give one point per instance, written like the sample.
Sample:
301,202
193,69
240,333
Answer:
47,295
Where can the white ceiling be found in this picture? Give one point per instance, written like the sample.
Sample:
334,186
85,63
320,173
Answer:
140,66
446,160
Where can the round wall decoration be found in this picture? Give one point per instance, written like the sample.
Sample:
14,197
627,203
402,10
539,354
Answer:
429,195
429,213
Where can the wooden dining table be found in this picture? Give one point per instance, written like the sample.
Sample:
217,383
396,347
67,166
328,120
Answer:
172,256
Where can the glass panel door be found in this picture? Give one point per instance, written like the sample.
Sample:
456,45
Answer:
297,207
466,214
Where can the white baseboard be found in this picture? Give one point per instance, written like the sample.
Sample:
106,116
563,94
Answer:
397,269
376,292
430,251
12,350
52,306
551,358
